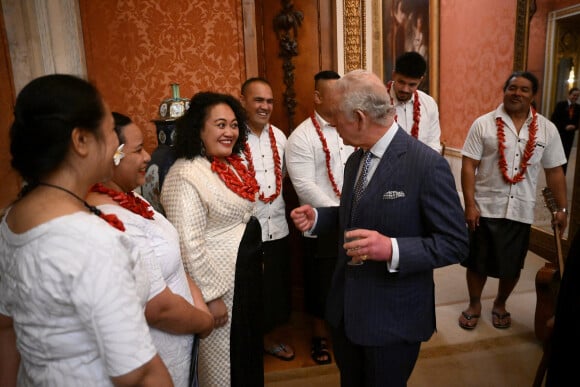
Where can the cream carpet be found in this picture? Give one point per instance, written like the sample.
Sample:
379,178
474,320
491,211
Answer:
455,357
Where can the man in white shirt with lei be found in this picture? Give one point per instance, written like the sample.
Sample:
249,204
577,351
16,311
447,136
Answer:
315,158
264,153
503,154
417,112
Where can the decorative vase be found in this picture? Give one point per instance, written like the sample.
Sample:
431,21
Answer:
162,157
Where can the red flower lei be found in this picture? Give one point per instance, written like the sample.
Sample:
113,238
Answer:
326,153
243,184
528,151
277,166
112,220
126,200
416,110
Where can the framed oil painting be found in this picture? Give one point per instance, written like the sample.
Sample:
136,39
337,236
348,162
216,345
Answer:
372,33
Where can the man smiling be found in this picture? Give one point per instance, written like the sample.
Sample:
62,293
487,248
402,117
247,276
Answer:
502,156
264,154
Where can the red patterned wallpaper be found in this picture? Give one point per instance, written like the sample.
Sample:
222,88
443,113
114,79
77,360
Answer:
537,43
476,56
136,48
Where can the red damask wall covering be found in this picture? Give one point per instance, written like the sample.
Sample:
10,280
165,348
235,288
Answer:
476,56
136,48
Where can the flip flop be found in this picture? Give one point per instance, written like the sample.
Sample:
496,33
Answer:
497,318
276,350
319,351
469,317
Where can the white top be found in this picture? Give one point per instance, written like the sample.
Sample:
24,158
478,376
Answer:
306,163
158,242
494,197
272,216
75,289
429,130
210,220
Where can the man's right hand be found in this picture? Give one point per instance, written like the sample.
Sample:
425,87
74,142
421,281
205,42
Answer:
303,217
472,217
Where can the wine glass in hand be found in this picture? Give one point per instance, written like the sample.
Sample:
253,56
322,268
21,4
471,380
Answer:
359,260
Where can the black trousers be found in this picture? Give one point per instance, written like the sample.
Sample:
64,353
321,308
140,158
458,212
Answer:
365,366
276,283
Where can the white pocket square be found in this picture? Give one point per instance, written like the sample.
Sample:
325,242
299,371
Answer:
390,195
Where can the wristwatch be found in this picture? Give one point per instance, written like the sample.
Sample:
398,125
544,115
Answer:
564,210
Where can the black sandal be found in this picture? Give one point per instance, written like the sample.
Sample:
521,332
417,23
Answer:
319,351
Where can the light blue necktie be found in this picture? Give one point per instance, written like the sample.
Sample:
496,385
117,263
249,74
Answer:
361,183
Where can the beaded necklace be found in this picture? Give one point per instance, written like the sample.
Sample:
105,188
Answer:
277,166
416,110
528,151
109,218
326,153
242,183
127,200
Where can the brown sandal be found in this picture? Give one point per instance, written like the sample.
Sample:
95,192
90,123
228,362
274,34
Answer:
468,317
319,351
501,320
278,351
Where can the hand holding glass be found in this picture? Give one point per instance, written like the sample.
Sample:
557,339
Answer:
352,262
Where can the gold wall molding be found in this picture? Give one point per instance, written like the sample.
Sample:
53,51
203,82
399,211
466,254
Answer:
354,34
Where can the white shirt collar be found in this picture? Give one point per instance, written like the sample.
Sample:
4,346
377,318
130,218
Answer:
381,146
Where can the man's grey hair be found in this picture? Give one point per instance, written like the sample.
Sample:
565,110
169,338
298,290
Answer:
364,91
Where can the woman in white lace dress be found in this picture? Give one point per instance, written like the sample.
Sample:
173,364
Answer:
209,196
72,289
170,310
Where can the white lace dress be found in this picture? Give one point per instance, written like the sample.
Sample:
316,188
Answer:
75,291
211,221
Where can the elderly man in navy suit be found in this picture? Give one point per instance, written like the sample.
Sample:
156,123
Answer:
404,217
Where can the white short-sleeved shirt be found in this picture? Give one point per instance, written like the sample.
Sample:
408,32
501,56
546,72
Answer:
494,197
429,129
158,242
75,289
306,162
272,216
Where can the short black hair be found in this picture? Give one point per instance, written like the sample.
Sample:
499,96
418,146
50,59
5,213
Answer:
252,80
524,74
121,121
325,75
411,64
573,90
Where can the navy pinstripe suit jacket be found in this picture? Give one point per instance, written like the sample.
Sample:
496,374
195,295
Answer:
411,197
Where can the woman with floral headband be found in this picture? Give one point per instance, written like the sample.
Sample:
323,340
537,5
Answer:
71,286
175,309
209,196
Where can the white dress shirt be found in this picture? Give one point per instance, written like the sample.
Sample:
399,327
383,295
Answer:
306,163
378,150
272,216
429,129
494,197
